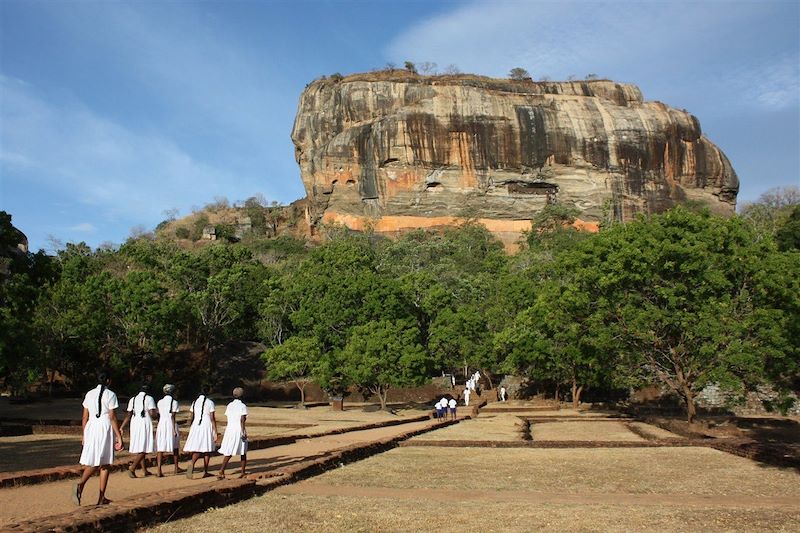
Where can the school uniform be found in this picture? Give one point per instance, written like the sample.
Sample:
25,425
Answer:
167,436
98,434
232,441
438,407
452,403
139,407
466,396
201,433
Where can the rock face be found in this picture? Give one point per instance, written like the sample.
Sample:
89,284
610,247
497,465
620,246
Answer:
398,151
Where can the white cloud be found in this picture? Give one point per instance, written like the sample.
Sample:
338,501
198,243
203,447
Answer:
83,227
675,50
117,172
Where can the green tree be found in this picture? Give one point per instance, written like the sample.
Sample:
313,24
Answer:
383,354
295,360
678,294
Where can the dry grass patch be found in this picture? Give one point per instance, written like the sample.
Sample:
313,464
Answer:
347,514
503,427
583,431
655,431
570,471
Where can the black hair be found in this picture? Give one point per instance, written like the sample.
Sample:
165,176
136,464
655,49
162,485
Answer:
144,389
202,409
102,379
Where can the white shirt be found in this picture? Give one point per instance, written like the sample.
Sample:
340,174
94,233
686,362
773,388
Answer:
138,402
452,403
167,405
108,402
235,410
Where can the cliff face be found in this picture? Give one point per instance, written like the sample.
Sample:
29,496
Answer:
400,151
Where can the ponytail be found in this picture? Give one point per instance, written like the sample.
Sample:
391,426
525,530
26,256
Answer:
202,409
100,399
144,395
102,379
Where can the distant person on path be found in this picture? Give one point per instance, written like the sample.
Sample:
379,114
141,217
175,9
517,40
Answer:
438,407
452,404
202,437
466,396
452,381
167,435
99,430
235,440
502,394
141,409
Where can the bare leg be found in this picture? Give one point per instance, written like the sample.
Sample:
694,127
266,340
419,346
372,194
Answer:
244,465
101,499
143,462
225,460
88,471
206,460
176,459
135,464
190,470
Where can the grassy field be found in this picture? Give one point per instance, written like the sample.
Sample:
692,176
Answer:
346,514
631,470
501,427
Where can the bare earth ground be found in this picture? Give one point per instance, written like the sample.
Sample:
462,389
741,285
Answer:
32,501
42,451
501,427
583,431
523,489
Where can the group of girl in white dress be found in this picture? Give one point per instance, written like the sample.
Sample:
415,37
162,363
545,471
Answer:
102,435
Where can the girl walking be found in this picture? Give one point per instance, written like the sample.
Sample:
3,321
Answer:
99,431
235,440
167,435
202,433
141,410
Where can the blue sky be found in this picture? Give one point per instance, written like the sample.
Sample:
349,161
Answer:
113,112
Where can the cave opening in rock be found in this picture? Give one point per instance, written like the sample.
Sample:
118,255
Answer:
526,187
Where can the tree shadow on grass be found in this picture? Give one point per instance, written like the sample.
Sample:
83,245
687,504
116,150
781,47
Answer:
40,453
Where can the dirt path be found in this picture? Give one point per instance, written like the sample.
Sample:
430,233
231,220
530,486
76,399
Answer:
35,501
312,488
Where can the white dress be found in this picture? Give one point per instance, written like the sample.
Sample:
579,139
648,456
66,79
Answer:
139,407
201,433
98,435
232,443
167,436
466,396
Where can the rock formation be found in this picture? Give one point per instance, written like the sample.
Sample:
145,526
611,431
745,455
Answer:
397,151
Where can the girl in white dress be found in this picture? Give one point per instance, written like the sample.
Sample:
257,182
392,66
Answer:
167,435
99,431
202,433
141,410
235,440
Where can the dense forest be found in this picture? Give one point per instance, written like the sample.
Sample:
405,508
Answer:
681,299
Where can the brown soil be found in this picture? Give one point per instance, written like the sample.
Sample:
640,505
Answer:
34,501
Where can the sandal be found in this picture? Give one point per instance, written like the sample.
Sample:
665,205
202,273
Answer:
131,474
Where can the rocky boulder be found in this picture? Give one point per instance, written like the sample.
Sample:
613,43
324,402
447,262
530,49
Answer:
397,151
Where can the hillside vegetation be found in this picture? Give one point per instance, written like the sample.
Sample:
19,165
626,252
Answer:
683,299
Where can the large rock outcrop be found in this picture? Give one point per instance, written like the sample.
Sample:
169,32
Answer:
399,151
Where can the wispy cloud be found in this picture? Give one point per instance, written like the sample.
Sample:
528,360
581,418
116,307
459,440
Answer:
113,171
83,227
676,49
